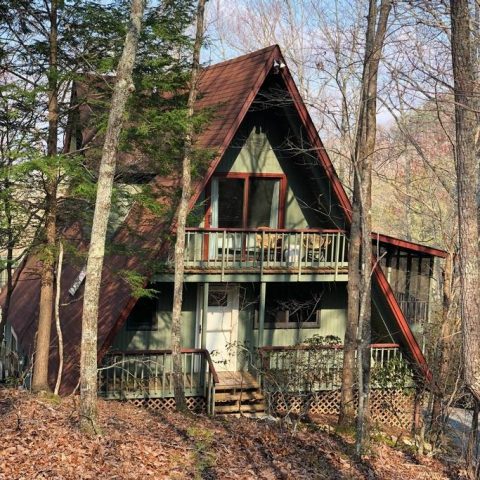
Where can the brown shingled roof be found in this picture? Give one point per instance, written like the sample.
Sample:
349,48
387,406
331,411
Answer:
230,87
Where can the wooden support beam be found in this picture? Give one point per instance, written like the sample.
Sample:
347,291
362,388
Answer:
203,337
261,313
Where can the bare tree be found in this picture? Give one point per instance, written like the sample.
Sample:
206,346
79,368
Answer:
321,43
467,130
466,122
182,213
122,89
360,251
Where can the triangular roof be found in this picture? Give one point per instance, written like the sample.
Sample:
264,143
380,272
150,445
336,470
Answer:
230,87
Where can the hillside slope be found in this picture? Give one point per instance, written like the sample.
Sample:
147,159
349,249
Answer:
39,439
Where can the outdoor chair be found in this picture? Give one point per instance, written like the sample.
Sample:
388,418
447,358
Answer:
315,246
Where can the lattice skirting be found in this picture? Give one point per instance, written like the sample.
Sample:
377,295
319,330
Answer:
196,404
388,407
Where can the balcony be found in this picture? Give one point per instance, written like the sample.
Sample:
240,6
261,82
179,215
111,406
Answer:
266,252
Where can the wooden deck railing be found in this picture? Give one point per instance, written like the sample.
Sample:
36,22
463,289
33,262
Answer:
414,309
148,374
265,250
303,368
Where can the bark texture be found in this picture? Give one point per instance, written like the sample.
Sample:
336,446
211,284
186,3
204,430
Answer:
466,125
178,386
360,252
123,88
58,325
42,347
347,405
442,359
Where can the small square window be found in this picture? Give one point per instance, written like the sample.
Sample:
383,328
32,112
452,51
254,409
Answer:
143,317
217,298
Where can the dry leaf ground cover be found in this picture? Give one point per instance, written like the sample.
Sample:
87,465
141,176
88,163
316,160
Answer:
40,440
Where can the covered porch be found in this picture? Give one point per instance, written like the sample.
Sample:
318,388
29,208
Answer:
285,371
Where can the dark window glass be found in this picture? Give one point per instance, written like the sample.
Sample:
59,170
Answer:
262,206
288,305
230,202
144,315
217,298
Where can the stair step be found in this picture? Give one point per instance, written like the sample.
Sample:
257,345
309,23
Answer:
243,396
254,407
244,387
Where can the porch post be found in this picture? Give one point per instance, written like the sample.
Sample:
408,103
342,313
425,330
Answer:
261,313
203,336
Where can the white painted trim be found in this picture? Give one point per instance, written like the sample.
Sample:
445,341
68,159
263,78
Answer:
233,292
198,317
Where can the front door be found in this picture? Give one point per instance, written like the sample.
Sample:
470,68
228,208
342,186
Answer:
222,327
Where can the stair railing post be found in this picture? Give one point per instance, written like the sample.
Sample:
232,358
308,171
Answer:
261,313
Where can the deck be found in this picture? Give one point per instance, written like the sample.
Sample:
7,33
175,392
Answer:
148,375
233,254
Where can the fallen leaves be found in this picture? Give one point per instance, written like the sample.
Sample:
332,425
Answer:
41,440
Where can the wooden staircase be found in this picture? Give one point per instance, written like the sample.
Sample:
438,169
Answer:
238,392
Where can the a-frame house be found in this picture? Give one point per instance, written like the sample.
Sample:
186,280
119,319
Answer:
266,265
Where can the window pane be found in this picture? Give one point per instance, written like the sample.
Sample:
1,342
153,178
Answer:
293,304
218,298
143,315
230,202
263,203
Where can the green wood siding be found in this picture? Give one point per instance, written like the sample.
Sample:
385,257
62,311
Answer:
160,337
257,155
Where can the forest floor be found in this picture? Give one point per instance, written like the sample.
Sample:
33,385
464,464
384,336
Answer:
40,439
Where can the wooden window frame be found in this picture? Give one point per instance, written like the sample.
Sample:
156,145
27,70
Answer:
290,325
246,191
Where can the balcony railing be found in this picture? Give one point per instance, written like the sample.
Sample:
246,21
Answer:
149,374
305,368
265,250
414,309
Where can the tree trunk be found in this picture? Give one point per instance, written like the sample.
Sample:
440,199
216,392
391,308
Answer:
123,88
444,348
466,122
178,386
360,250
9,260
347,395
57,319
42,348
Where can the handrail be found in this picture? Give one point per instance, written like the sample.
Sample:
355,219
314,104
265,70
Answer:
278,348
203,351
208,383
319,368
155,352
211,366
264,229
266,250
